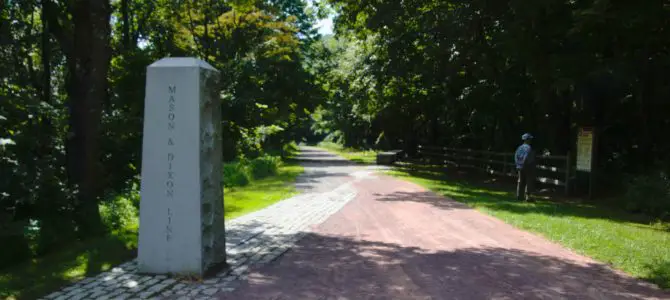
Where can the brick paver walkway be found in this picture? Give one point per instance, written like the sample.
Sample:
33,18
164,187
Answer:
396,240
251,240
354,234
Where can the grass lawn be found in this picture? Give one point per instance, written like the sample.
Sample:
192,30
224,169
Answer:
39,277
367,157
261,193
632,243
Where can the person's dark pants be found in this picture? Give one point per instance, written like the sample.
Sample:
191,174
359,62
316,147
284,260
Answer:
525,184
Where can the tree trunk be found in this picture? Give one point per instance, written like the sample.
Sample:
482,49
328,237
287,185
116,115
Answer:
92,56
644,144
88,56
125,16
56,228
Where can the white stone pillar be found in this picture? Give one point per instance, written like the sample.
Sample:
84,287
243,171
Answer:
181,208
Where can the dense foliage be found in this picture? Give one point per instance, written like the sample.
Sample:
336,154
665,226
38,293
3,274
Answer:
398,73
478,74
72,97
242,172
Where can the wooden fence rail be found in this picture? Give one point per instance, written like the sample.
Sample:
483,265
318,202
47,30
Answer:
551,169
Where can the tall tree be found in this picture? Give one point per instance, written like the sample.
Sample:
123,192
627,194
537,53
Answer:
72,95
82,29
478,73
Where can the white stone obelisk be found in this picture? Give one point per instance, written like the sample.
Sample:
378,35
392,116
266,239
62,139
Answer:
181,208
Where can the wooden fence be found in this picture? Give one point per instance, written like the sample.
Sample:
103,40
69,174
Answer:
551,169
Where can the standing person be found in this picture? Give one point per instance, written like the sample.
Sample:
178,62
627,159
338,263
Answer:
524,158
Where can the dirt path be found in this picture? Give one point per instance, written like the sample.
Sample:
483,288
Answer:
392,242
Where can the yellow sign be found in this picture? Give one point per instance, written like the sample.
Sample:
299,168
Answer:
584,149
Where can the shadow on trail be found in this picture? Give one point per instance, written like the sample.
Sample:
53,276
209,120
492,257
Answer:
330,267
315,155
324,163
317,158
483,192
311,180
323,170
422,197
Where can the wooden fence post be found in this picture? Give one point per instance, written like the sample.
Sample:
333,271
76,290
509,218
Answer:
504,168
567,174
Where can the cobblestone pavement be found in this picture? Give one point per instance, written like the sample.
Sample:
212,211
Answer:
251,240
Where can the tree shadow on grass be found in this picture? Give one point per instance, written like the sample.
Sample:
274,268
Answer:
336,267
36,278
479,189
361,161
230,209
263,184
659,274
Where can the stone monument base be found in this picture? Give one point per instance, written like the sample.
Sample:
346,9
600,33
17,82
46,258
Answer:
182,229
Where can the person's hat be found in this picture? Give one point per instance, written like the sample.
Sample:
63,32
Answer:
526,136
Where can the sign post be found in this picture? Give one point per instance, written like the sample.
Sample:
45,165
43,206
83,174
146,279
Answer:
585,150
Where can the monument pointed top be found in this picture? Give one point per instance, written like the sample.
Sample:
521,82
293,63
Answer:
182,229
181,62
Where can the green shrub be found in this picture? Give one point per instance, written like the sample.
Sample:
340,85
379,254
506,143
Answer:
265,166
649,194
290,150
16,247
235,174
240,173
120,212
335,137
331,146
